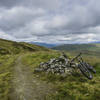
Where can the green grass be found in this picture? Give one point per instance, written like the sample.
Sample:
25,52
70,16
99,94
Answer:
78,47
6,68
9,50
11,47
71,87
34,59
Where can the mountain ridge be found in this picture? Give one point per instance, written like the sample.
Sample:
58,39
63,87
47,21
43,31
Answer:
48,45
13,47
85,48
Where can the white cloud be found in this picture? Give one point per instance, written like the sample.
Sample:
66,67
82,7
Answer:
5,36
57,21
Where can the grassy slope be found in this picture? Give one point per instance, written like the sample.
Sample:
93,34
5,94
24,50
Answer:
70,88
85,48
75,87
6,67
10,47
9,51
86,90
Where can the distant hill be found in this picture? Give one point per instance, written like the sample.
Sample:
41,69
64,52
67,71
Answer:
76,48
13,47
48,45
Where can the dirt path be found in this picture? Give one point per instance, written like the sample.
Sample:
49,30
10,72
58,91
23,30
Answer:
27,87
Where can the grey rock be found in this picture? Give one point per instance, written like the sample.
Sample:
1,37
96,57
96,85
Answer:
38,70
62,71
59,66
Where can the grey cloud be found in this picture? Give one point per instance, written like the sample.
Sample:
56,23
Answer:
47,4
8,3
18,17
50,20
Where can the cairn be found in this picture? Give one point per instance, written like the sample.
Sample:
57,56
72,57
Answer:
60,65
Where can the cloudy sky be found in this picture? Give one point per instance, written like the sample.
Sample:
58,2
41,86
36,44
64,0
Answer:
50,21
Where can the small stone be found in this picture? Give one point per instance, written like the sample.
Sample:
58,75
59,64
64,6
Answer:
63,74
52,66
38,70
62,71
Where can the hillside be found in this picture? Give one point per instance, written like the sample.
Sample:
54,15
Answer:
86,48
47,45
19,82
12,47
12,70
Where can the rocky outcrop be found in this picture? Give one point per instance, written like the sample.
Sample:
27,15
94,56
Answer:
60,65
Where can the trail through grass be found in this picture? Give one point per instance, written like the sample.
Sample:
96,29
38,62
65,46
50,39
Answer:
18,82
26,86
71,87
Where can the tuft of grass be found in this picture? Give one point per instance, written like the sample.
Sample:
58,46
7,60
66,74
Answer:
6,68
34,59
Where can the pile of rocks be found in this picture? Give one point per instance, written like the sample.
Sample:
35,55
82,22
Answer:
58,65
